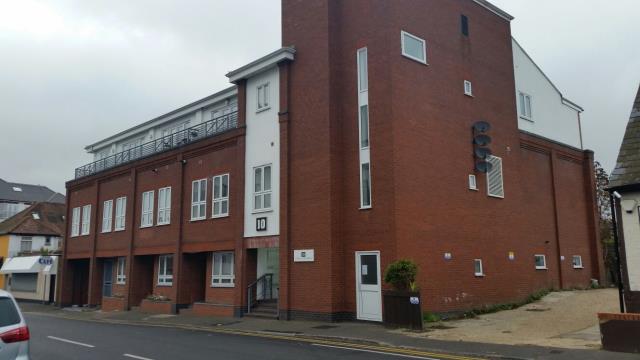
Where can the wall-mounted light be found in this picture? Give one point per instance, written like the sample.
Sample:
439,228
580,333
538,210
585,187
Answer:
184,162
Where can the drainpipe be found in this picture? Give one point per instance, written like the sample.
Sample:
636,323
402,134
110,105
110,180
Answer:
616,242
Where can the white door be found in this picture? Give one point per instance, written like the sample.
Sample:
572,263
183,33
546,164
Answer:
368,287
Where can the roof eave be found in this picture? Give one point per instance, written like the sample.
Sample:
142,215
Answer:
262,64
494,9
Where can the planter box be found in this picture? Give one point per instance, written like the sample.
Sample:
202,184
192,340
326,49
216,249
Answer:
113,304
157,307
620,332
402,308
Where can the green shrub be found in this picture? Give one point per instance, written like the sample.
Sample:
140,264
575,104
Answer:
431,317
402,275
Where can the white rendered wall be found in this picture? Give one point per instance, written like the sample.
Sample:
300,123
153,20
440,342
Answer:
37,242
551,118
262,148
631,231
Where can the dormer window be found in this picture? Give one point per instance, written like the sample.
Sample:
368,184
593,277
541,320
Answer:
17,189
35,216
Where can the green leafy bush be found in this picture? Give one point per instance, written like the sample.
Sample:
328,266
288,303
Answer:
402,275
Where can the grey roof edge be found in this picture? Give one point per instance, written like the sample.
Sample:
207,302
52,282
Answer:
494,9
229,90
267,59
564,99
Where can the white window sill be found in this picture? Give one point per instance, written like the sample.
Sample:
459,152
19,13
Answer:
578,267
121,283
105,231
262,211
365,208
223,285
496,196
84,234
163,224
165,285
221,216
198,219
116,230
145,226
263,109
469,95
474,189
479,275
423,62
541,268
526,118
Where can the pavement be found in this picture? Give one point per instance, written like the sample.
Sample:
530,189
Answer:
366,337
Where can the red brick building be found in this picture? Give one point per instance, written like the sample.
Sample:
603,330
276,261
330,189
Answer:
347,149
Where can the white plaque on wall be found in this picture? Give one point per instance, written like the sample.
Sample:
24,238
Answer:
303,255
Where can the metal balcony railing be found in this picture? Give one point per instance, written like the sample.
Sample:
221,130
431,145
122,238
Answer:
169,142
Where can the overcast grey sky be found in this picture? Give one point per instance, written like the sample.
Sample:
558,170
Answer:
73,72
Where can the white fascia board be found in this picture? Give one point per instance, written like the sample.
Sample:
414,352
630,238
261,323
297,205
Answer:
572,105
262,64
172,115
494,9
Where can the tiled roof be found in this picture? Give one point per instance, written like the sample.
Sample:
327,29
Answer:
28,193
48,221
627,171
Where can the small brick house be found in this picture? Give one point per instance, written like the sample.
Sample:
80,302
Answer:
350,147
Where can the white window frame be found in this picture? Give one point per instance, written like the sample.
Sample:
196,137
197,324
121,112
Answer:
362,66
404,34
468,88
525,106
107,216
217,280
579,264
263,101
165,279
24,240
473,182
75,222
164,206
121,273
363,69
363,205
544,260
221,199
146,218
476,273
120,217
495,168
86,220
201,202
262,194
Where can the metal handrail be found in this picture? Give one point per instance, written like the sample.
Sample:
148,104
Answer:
266,282
169,142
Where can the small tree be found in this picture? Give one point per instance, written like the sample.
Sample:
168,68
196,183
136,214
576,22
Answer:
402,275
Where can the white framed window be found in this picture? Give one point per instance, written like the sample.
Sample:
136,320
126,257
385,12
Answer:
577,262
495,183
75,222
364,127
146,219
121,211
477,267
222,269
262,188
365,186
164,206
86,220
473,182
468,89
121,275
541,262
220,196
165,270
363,71
414,47
107,216
198,199
263,97
26,244
524,101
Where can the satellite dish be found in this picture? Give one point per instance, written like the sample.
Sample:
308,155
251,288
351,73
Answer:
482,140
482,126
484,166
482,153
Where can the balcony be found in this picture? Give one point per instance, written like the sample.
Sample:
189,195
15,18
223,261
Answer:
181,138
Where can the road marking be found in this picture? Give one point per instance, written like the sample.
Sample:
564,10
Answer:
70,341
136,357
375,352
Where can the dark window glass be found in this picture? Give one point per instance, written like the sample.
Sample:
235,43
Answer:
369,269
465,25
8,312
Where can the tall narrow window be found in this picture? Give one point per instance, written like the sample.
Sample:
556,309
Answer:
477,264
414,47
262,188
525,106
220,196
107,215
147,209
164,206
464,24
495,185
165,270
363,126
121,275
86,220
223,273
263,97
198,199
121,211
468,89
75,222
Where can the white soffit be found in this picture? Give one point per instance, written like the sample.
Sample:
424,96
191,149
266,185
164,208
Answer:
262,64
